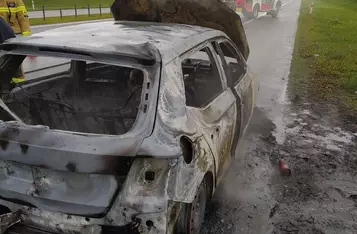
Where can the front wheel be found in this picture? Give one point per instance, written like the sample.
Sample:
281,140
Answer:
192,215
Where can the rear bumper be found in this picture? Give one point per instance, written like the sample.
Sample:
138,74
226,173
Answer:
144,204
140,207
23,229
32,224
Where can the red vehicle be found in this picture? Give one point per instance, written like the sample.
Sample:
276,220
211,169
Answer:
251,8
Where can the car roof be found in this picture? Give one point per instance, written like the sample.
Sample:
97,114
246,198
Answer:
124,37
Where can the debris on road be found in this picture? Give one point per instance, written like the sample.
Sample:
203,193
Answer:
284,168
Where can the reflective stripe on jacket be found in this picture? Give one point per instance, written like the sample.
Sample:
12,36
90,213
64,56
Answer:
19,76
15,14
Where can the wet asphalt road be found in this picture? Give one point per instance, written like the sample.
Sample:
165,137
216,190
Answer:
271,44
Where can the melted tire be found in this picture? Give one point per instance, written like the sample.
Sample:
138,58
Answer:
192,215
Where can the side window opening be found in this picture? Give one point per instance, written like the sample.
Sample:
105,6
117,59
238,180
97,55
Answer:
201,78
79,96
235,64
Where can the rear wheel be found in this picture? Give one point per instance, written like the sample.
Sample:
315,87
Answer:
192,215
255,11
275,13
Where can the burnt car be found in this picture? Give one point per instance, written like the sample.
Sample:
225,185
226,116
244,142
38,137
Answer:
119,127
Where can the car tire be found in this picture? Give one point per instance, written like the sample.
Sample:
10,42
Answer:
275,13
255,11
192,215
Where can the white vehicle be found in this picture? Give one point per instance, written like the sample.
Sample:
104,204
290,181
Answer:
251,8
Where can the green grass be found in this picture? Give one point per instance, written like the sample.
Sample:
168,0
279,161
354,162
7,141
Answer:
66,4
324,65
65,19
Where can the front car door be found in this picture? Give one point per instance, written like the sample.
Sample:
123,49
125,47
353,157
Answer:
209,100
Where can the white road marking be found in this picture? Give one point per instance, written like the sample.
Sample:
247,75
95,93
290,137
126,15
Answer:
249,21
287,3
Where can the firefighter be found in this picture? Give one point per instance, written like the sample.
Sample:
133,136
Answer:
6,33
15,14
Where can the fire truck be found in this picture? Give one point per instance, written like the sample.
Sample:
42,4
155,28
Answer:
251,8
230,3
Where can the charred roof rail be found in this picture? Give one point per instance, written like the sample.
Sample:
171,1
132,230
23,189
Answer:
144,59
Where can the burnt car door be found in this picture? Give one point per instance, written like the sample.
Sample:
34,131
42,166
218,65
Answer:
239,80
209,101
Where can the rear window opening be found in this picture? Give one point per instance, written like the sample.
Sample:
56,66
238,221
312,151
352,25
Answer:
79,96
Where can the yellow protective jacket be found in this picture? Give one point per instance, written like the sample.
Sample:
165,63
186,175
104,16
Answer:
15,14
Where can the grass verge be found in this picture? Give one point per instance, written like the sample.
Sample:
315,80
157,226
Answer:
324,65
66,19
66,4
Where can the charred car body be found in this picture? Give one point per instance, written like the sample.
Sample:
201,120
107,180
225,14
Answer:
119,127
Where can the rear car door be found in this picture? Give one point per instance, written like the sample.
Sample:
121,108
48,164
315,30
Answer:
209,101
238,78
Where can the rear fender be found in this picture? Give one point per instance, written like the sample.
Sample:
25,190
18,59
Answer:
144,191
185,179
